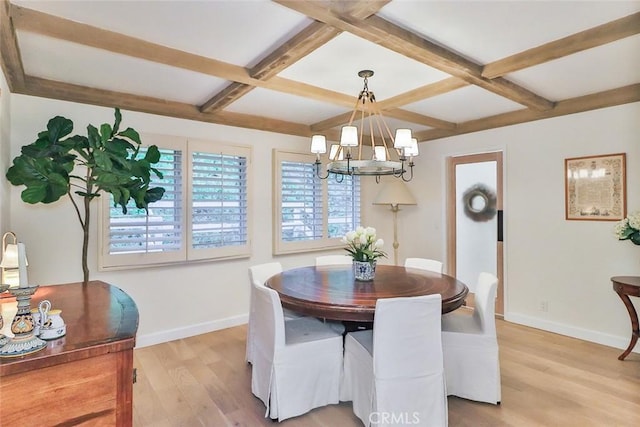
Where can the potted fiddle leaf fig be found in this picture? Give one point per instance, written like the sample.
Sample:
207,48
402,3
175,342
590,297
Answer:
82,167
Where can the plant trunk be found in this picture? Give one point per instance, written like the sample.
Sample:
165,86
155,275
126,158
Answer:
85,242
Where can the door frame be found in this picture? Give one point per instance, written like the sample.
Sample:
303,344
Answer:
452,162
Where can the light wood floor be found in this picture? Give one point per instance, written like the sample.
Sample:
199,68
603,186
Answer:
547,380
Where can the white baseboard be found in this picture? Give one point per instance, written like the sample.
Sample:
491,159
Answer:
572,331
534,322
189,331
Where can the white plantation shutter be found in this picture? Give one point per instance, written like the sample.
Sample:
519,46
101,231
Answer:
344,205
219,201
209,220
310,213
301,202
160,230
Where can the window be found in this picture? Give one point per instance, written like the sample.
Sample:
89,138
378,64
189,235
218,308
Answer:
203,214
311,214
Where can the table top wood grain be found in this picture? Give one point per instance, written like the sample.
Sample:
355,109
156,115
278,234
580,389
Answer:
332,292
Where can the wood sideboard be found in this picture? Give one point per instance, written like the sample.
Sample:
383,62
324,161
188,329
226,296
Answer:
83,378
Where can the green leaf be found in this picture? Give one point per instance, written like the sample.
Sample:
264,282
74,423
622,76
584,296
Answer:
57,186
119,147
116,124
153,195
153,154
77,142
105,132
94,137
132,134
102,160
34,194
59,127
635,238
158,173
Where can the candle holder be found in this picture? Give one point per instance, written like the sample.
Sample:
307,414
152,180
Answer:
24,340
3,338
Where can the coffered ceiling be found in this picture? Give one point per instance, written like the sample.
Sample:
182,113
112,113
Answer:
441,68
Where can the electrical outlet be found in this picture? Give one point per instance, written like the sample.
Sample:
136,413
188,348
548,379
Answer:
544,306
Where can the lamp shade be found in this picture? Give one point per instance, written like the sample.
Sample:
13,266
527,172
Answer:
318,144
349,136
413,150
402,139
394,192
380,153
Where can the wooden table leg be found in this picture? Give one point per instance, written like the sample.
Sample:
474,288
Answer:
635,332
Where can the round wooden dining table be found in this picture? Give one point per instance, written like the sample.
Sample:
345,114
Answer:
331,292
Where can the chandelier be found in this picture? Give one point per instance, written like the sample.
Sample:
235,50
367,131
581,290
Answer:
347,158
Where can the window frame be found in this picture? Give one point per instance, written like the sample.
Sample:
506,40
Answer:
185,254
281,247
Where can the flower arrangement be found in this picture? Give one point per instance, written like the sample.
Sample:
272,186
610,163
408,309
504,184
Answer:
363,245
629,228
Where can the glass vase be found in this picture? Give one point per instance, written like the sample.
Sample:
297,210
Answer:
364,271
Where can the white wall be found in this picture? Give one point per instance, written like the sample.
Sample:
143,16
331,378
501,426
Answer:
567,263
173,301
5,129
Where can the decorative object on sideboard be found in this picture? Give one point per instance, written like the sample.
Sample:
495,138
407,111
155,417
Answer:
8,272
24,341
108,160
381,141
394,193
50,323
9,263
3,338
629,228
365,249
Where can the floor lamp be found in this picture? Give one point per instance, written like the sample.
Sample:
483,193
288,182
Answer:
394,193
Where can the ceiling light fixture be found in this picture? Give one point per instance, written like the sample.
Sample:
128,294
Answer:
342,160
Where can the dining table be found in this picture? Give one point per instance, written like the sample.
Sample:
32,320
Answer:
332,292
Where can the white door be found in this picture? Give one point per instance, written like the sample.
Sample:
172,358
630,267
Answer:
474,220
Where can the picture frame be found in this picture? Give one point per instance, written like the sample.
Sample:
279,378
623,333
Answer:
596,187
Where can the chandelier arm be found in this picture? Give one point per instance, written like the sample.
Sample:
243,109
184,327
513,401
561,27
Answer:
410,177
339,178
318,164
361,133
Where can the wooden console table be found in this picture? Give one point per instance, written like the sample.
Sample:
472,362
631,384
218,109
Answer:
626,286
83,377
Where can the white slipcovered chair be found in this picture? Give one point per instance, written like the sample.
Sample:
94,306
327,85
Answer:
424,264
394,374
333,260
258,275
470,347
296,364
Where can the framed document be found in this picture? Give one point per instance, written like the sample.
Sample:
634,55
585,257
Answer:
595,187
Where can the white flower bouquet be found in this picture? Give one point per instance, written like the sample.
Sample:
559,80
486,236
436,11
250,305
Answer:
629,228
363,245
